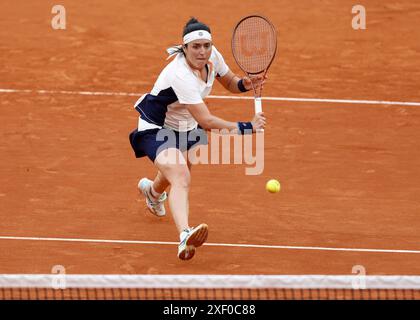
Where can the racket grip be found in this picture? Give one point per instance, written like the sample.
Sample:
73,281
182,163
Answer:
258,108
258,105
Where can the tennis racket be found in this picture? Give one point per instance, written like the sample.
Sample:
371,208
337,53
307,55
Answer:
254,46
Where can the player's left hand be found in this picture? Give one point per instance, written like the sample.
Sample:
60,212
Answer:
259,121
256,81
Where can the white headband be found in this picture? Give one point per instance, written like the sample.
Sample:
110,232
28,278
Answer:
197,35
194,35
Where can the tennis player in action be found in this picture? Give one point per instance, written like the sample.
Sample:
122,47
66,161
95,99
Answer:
175,105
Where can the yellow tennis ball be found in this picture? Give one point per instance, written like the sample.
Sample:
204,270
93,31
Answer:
273,186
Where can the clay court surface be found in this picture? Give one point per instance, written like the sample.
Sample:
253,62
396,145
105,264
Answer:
350,173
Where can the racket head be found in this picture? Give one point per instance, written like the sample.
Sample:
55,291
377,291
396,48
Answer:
254,44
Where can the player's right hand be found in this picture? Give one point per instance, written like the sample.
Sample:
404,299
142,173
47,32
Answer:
255,82
258,122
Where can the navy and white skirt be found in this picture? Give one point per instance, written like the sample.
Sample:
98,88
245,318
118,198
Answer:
152,141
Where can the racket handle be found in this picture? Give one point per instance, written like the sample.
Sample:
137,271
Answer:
258,108
258,105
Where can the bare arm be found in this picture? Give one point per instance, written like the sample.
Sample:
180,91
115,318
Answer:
230,82
207,121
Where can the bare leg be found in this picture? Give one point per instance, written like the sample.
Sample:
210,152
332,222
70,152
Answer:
174,168
160,183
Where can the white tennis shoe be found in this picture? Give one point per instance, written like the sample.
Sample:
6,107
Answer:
191,239
157,207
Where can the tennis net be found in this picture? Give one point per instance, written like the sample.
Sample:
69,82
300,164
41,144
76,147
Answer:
208,287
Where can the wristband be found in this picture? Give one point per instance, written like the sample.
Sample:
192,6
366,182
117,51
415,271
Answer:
245,127
241,86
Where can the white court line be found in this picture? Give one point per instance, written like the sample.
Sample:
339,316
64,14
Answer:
209,244
99,93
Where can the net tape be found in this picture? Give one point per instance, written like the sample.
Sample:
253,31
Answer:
210,281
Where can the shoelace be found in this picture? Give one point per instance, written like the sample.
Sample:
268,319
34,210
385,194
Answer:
158,201
187,232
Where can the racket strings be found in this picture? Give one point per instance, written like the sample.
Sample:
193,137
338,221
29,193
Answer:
254,44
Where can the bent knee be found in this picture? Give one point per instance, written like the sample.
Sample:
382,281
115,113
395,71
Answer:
181,179
182,182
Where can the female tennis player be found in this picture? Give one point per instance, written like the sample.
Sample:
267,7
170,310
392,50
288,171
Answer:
173,119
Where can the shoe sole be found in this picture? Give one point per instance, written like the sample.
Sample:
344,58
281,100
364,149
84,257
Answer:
195,240
187,254
198,236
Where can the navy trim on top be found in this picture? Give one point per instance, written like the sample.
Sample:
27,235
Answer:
154,108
